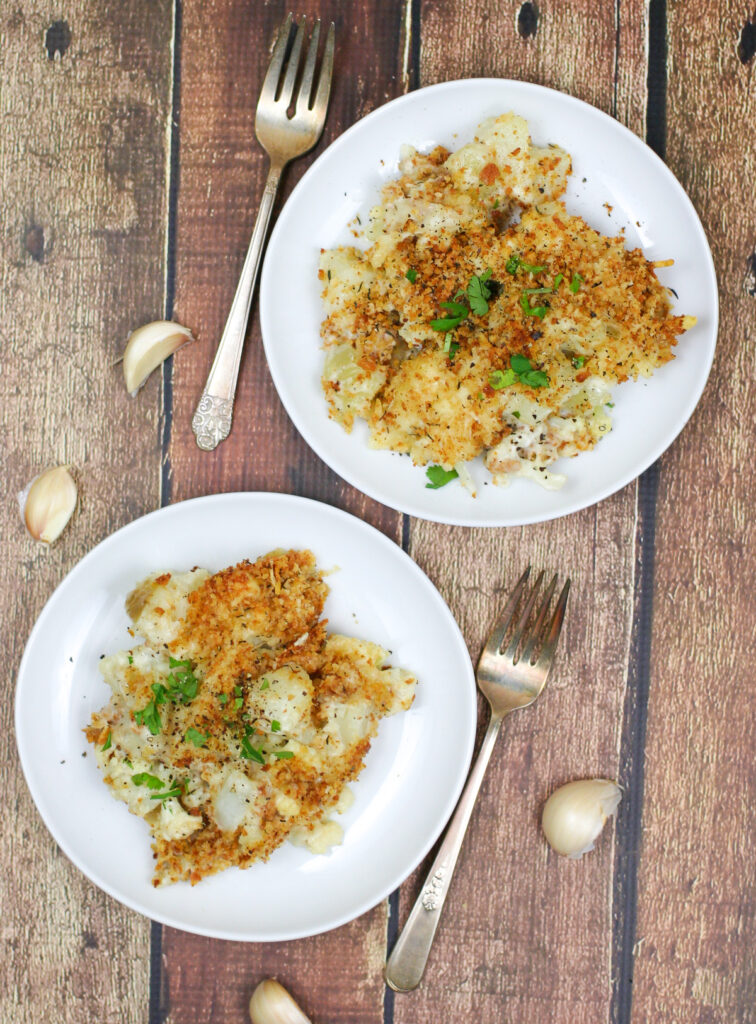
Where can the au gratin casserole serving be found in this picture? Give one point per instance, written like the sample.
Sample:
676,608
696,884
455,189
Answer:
239,719
483,318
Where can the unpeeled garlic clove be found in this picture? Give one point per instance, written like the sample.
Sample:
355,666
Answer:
272,1004
575,814
48,502
147,347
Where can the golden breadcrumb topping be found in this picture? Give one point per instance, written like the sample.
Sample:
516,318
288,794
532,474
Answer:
239,720
484,319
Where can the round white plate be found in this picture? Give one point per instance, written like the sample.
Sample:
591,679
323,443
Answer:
413,773
619,170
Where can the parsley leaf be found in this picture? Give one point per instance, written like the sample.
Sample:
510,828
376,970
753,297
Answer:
250,753
439,476
575,283
223,698
108,741
149,716
275,726
458,312
526,374
450,347
539,311
514,263
558,280
478,293
131,660
501,379
578,362
411,275
196,737
265,684
145,779
170,794
283,753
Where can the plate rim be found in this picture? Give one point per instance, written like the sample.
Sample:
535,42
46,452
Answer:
467,683
601,493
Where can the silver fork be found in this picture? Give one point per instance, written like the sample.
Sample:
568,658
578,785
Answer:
283,139
509,680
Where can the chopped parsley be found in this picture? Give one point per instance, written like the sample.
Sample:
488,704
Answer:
131,660
170,794
150,716
223,699
501,379
609,405
283,753
457,313
558,280
238,702
575,283
250,753
527,375
275,726
108,741
411,275
145,779
439,477
196,737
450,347
578,362
516,414
539,311
515,263
520,369
478,293
265,684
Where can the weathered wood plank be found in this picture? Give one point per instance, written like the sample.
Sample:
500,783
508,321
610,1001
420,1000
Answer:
84,107
527,935
696,923
337,976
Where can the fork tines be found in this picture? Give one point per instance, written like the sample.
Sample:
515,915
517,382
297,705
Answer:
282,92
521,628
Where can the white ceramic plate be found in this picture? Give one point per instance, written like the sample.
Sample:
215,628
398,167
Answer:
414,771
620,171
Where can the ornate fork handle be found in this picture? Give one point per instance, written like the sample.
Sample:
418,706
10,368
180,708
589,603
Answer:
211,422
406,964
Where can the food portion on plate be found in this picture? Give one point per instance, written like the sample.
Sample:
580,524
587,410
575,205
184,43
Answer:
483,318
238,721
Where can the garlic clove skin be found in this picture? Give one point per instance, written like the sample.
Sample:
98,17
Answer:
48,502
148,347
575,814
272,1004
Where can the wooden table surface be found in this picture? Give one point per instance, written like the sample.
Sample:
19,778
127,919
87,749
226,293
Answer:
130,180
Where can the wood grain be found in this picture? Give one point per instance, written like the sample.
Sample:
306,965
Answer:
82,175
224,54
527,935
696,927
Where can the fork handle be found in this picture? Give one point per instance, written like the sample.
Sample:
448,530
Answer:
211,422
406,965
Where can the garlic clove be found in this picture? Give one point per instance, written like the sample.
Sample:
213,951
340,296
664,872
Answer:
575,814
48,502
147,347
272,1004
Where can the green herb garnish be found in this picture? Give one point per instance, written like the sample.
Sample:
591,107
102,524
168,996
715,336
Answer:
478,293
283,753
458,312
275,726
223,699
539,311
558,280
131,660
196,737
411,275
108,741
578,362
170,794
575,283
265,684
238,702
526,374
450,347
501,379
251,753
516,414
145,779
149,716
514,263
439,477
